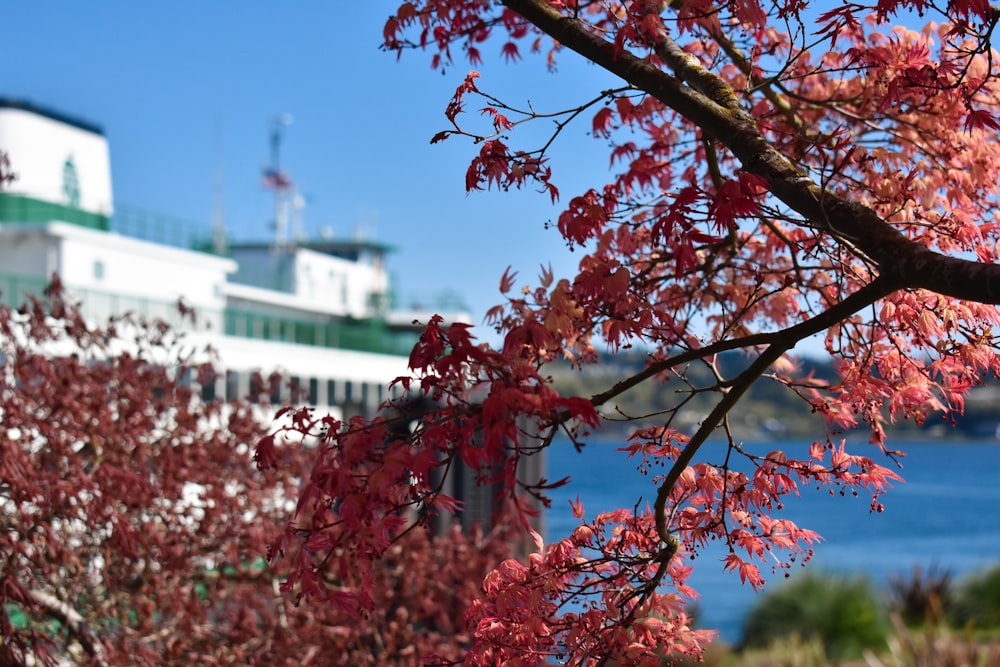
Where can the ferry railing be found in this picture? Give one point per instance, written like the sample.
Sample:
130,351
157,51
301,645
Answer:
444,301
15,290
146,225
362,336
367,336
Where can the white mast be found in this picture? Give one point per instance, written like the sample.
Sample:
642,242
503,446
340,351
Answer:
279,181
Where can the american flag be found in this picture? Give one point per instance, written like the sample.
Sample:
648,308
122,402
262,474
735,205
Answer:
275,179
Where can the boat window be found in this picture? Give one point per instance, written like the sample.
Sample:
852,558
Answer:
296,391
232,386
208,389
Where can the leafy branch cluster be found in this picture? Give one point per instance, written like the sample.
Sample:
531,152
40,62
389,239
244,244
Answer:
773,178
134,525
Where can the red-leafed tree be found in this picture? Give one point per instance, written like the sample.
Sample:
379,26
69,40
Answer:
778,171
135,524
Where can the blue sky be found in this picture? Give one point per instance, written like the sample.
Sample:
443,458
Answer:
171,82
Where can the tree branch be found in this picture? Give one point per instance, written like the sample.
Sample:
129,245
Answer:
877,289
73,621
783,341
707,101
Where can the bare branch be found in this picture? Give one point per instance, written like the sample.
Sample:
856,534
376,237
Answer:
73,621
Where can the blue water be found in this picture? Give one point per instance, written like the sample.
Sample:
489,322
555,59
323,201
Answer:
945,515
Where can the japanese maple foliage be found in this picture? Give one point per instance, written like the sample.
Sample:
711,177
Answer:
778,171
136,525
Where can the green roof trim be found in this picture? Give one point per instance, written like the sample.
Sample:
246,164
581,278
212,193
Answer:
21,208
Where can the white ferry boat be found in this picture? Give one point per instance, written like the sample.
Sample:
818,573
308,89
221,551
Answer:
318,311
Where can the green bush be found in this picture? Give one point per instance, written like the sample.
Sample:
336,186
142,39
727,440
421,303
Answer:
977,601
843,614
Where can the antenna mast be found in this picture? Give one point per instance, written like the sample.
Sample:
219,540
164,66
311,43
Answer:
278,181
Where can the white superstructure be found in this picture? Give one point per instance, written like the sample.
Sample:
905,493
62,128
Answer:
316,311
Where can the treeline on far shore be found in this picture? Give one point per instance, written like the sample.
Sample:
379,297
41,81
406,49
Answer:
768,410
